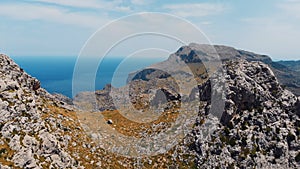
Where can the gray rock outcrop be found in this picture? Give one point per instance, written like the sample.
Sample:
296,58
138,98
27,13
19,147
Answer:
23,129
260,124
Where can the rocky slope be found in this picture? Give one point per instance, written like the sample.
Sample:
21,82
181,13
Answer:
28,138
259,126
287,72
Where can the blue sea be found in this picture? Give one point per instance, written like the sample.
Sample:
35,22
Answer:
56,73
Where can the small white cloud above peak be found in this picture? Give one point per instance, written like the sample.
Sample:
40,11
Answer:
195,9
140,2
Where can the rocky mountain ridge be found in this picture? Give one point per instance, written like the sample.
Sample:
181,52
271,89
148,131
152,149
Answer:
287,72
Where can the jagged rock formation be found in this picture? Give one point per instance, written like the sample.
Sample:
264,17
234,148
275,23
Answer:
260,124
287,72
27,140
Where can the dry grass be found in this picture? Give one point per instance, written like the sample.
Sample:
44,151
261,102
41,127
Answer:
84,155
109,160
132,128
6,154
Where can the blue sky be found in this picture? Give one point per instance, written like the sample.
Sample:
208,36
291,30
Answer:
61,27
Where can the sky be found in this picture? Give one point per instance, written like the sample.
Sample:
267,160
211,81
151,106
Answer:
62,27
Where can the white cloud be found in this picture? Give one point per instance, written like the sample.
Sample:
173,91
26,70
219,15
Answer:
195,9
74,3
125,9
140,2
291,7
206,23
115,5
52,14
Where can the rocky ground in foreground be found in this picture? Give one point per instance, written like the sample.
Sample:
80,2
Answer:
259,127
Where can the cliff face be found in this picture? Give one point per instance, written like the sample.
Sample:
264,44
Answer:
260,123
258,127
27,137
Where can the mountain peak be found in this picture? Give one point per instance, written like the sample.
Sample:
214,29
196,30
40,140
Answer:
206,51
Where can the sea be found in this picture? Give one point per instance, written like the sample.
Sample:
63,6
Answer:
56,73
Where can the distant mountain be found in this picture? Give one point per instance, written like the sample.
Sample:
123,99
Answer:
287,72
292,65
